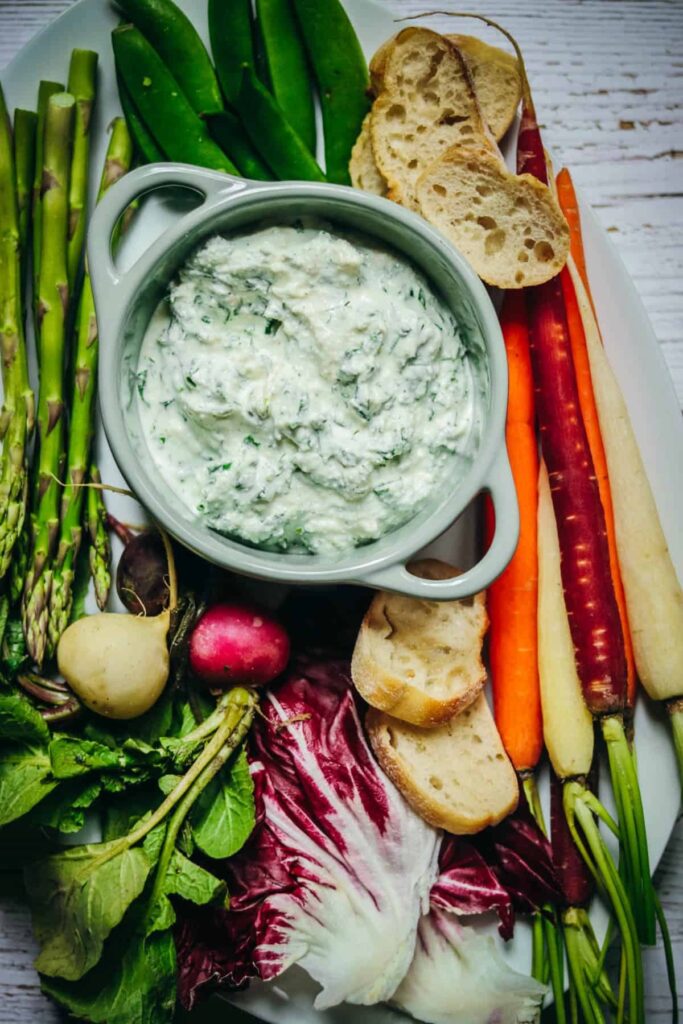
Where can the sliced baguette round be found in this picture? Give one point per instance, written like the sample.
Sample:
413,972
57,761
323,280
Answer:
509,226
421,660
363,168
497,81
457,777
495,75
426,105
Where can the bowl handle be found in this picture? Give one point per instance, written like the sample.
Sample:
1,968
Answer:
134,184
500,484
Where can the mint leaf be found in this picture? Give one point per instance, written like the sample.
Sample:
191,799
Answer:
223,817
77,897
134,982
25,780
20,722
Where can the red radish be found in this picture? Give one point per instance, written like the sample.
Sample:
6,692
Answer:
237,643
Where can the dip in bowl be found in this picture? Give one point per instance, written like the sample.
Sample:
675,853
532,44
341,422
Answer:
303,382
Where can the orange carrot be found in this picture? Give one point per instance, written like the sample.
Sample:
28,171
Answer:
512,599
589,414
570,208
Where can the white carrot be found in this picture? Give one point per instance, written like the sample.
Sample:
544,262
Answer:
567,722
654,598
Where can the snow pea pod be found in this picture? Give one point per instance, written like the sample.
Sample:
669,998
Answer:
177,42
341,73
229,133
232,42
272,134
141,136
288,67
162,105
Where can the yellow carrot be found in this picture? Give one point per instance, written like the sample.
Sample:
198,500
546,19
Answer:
567,722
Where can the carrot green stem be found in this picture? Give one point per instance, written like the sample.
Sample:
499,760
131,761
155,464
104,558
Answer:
577,973
621,1003
675,710
539,965
544,954
573,1002
592,846
530,790
669,956
633,836
555,952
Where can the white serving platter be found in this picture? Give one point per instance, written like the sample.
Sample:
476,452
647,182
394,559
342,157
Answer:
633,351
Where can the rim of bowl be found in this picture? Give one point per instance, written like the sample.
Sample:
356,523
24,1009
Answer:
389,549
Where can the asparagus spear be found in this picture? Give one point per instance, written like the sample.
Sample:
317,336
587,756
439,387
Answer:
52,304
117,163
45,90
16,418
24,161
100,549
25,122
81,85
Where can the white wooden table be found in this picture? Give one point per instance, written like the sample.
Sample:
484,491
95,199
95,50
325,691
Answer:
608,83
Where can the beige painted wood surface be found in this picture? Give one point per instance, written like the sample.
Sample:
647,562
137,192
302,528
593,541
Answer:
608,83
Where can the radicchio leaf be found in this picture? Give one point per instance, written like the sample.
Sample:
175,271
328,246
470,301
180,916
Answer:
521,858
336,873
468,885
339,872
458,977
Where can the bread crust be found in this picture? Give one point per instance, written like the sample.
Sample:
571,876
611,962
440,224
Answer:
438,810
485,63
365,173
392,125
395,694
479,57
479,185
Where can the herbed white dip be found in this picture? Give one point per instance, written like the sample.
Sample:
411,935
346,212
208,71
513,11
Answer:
305,390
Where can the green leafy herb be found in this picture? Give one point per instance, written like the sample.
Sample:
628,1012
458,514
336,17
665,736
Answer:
14,653
77,897
122,811
224,814
188,880
64,809
20,721
134,982
103,913
71,756
25,780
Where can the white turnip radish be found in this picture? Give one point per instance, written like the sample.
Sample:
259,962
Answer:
237,643
118,665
